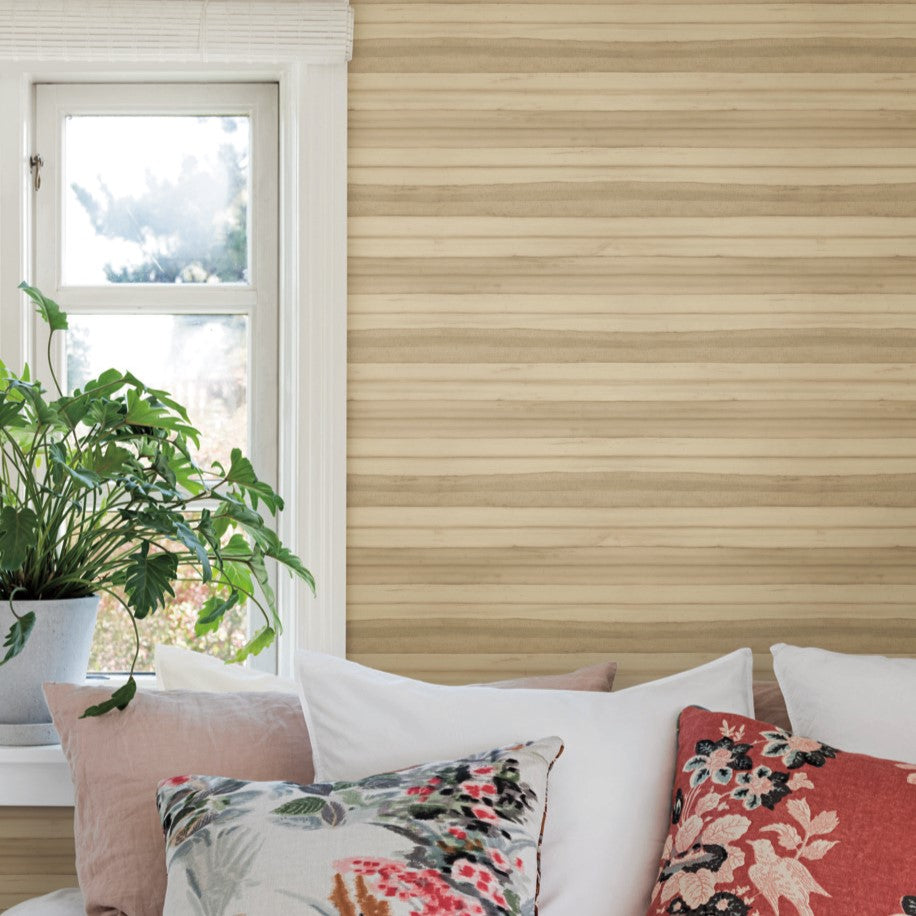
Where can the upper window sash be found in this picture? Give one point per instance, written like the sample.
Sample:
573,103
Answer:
257,102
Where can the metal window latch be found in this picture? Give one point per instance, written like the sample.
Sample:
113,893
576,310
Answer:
36,163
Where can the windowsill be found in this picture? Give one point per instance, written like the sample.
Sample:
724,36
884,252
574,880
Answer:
38,775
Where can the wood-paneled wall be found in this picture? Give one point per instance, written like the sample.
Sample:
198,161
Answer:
36,852
632,333
632,338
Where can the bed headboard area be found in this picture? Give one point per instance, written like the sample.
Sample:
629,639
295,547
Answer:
632,341
632,333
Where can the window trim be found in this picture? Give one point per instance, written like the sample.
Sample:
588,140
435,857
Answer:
313,279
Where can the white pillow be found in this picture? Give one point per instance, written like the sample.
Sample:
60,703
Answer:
861,703
608,799
182,669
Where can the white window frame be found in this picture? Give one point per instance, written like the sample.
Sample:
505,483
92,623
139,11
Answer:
304,48
256,300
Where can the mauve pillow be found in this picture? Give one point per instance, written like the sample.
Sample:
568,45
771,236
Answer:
183,669
118,760
595,678
770,705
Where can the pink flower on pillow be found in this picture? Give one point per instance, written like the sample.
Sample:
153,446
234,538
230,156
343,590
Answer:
424,888
484,813
480,878
477,790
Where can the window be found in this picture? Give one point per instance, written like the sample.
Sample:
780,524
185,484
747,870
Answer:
157,229
302,48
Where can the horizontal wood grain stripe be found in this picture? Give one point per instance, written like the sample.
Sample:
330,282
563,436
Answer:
628,566
456,419
422,537
657,178
753,12
626,323
877,5
624,228
519,345
623,382
635,392
632,489
18,861
661,599
623,617
739,517
419,99
629,371
659,246
532,448
627,129
815,470
525,157
37,823
680,303
618,33
634,198
624,275
630,92
436,635
843,50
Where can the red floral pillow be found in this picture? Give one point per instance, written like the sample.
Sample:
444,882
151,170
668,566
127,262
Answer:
764,822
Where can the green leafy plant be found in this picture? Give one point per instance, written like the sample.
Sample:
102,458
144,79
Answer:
99,493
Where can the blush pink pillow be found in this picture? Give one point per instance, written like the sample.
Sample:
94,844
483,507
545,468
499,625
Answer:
118,760
595,678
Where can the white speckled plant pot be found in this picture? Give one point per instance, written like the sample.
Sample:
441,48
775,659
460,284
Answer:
57,650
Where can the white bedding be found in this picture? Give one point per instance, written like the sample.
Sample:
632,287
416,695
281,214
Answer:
68,902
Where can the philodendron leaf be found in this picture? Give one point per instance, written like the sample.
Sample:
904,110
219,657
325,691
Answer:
113,460
18,535
212,613
148,580
236,511
256,565
79,475
241,473
236,575
196,546
9,412
285,556
106,415
262,639
31,392
52,313
150,413
18,636
118,700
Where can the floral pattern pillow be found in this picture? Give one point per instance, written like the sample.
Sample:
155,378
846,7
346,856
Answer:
460,837
764,822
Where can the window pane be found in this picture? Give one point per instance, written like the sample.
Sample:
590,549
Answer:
155,199
202,360
173,625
